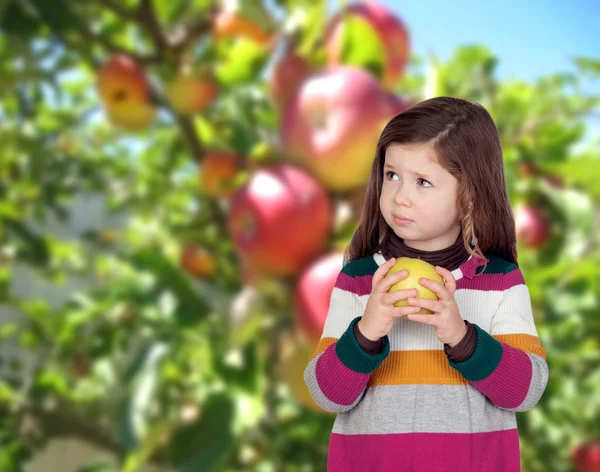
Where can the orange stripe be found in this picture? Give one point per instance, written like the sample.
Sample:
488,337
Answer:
431,366
525,342
416,367
322,345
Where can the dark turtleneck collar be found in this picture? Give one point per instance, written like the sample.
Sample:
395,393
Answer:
449,258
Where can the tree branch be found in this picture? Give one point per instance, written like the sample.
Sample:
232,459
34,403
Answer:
191,32
150,21
189,134
89,35
148,16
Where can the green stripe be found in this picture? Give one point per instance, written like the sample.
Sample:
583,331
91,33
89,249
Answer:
497,265
353,355
484,360
360,267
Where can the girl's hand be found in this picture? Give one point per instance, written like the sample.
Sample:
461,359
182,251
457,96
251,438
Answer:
449,325
380,312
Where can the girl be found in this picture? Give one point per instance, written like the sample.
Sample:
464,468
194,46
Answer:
434,392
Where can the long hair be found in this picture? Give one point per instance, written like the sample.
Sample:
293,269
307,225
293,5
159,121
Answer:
467,144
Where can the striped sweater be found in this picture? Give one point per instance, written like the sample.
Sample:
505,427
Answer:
409,407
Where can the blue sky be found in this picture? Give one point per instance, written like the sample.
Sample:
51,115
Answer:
530,39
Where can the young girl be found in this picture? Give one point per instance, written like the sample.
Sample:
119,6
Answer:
431,392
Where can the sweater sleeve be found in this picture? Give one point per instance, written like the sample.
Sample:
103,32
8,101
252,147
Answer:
509,364
339,371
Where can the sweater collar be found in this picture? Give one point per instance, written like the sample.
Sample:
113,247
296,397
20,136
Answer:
467,269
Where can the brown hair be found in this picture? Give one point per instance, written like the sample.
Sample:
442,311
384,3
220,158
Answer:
466,143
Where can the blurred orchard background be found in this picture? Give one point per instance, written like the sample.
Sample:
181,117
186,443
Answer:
178,182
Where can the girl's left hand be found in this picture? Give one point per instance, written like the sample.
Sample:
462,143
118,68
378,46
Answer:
449,325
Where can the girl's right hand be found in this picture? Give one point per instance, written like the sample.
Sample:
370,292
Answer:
380,311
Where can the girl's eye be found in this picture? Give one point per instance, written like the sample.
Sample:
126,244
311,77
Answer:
418,180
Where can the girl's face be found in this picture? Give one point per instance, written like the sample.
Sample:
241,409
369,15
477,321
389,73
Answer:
417,188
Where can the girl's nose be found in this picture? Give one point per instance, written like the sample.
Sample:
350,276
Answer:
402,197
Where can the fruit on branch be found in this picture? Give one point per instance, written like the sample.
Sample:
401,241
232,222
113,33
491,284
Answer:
313,294
279,220
126,93
533,227
217,172
389,28
191,93
287,75
332,124
197,261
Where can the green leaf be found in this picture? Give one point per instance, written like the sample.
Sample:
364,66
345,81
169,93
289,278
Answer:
170,12
583,172
36,250
246,374
191,308
142,380
19,19
361,45
207,443
588,64
242,63
58,14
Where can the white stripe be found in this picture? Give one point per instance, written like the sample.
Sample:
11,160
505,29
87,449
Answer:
514,316
344,306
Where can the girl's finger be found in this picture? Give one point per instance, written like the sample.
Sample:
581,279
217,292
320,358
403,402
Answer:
425,303
441,291
449,280
392,279
381,272
399,311
425,319
393,297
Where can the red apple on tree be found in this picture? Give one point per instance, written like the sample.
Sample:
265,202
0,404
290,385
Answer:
332,124
527,168
395,103
217,172
197,261
287,75
533,227
279,220
125,92
390,30
313,294
586,457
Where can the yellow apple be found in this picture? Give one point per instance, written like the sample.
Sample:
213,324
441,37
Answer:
190,94
417,269
217,172
125,93
244,19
